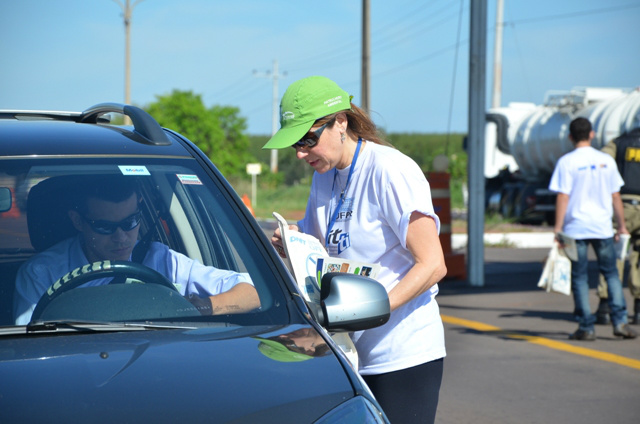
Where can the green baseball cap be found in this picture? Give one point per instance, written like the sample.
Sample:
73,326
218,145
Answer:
304,102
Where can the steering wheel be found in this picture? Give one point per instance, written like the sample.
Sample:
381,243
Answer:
97,270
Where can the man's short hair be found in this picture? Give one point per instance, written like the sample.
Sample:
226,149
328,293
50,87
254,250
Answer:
580,129
111,188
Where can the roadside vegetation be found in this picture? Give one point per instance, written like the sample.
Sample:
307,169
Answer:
286,192
220,132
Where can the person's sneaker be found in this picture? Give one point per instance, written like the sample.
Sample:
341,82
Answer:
586,335
602,313
624,331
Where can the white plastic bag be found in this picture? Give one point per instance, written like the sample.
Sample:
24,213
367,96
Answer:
556,275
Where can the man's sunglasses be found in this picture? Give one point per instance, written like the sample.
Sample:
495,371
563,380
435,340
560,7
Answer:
311,138
108,227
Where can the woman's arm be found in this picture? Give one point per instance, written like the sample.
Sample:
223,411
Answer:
424,244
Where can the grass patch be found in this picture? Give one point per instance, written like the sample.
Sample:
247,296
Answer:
288,201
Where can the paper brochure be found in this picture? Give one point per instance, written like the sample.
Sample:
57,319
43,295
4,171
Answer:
570,248
308,261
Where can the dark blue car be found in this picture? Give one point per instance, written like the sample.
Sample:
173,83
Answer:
118,341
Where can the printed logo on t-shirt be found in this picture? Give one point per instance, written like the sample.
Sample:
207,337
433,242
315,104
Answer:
346,211
339,241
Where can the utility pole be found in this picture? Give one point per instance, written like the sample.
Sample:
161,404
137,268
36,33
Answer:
477,80
497,56
127,10
275,115
365,57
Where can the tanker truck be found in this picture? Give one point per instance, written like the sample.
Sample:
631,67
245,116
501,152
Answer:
523,142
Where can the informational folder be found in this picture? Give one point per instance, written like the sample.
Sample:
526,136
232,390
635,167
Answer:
622,246
569,246
308,262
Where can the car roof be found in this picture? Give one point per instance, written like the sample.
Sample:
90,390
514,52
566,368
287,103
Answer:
45,133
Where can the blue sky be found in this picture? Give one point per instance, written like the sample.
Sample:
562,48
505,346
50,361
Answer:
69,54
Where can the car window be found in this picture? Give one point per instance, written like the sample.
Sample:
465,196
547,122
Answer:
186,227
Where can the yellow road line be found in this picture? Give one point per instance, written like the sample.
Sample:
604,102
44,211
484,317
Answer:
542,341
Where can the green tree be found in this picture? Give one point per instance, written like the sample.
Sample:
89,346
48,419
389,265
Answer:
219,131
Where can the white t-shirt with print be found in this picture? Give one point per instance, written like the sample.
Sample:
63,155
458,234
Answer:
589,177
385,189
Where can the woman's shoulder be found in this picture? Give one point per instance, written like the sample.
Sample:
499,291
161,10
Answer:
388,159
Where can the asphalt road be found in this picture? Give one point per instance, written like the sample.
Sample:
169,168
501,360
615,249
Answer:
509,359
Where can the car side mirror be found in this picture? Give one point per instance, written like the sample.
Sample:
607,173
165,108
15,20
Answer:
350,302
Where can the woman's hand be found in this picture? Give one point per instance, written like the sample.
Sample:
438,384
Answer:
276,240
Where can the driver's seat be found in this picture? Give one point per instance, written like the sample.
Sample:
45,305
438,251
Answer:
47,206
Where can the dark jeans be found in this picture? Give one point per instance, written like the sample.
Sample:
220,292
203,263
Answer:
580,283
409,395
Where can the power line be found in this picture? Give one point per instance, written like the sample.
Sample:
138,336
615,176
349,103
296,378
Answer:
421,59
523,68
385,33
415,31
573,14
453,79
241,82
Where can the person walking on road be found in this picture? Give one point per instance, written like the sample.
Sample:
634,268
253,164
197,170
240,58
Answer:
588,184
625,149
370,202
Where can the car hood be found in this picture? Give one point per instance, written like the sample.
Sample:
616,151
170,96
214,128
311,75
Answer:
214,375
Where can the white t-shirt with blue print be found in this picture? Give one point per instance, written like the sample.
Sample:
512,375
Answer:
385,189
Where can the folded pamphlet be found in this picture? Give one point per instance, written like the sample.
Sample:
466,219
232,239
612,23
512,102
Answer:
622,246
570,248
308,262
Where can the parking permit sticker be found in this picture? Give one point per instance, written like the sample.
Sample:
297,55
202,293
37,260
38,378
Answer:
133,170
189,179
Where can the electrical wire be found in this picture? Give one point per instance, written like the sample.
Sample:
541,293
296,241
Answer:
574,14
453,79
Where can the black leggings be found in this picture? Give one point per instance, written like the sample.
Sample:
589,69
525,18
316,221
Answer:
409,395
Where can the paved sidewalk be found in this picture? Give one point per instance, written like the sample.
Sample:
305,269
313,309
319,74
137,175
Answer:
518,240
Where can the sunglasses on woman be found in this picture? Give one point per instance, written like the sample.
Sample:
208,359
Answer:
311,138
106,228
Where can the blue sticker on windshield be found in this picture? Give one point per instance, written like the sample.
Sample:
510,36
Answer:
133,170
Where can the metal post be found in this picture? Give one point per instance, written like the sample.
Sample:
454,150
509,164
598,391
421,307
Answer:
127,11
497,56
477,76
254,190
274,117
127,53
364,104
275,104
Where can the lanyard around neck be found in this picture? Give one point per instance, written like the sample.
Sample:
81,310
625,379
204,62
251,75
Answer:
334,216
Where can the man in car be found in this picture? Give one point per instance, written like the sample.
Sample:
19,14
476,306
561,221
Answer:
105,212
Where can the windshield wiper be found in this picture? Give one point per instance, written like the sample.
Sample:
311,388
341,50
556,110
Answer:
96,326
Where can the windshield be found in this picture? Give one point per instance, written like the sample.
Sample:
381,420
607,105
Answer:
128,240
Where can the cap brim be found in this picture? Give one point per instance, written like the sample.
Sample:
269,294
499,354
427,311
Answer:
286,137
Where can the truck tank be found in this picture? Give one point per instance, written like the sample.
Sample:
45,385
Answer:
523,142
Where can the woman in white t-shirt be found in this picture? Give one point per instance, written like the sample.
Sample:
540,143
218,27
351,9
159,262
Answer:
370,202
